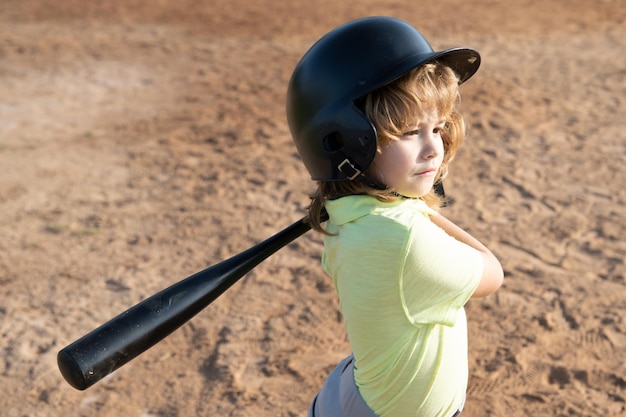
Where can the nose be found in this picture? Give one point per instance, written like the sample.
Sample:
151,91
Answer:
430,148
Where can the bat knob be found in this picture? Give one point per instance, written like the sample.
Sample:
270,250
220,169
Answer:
71,371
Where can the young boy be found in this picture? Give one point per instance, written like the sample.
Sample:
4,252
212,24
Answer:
373,112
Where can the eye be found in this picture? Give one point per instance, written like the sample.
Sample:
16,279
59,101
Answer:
414,132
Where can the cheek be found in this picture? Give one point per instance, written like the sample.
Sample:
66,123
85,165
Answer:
385,163
445,146
394,155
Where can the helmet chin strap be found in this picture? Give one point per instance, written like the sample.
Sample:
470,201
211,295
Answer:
439,189
355,174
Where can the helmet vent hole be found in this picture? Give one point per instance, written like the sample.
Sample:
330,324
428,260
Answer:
333,142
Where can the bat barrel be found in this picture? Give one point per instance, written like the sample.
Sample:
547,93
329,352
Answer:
116,342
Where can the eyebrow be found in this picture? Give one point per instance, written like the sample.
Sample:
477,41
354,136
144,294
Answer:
438,122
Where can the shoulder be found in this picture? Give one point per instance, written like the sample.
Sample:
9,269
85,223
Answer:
352,208
408,214
362,221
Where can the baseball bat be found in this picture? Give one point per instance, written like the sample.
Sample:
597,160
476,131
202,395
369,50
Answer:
123,338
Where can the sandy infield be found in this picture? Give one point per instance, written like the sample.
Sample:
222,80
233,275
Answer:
142,141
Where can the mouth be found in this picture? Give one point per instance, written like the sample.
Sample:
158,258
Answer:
427,172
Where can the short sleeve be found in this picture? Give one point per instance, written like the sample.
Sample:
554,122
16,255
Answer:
440,275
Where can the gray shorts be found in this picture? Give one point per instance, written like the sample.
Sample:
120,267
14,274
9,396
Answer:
339,397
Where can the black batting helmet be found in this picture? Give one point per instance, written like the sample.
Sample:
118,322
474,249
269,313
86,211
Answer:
334,137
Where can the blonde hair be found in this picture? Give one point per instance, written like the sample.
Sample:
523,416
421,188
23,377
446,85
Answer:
393,109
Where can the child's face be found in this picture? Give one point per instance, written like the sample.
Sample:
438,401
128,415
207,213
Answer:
410,164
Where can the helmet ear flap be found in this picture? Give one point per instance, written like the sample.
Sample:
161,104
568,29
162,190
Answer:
345,134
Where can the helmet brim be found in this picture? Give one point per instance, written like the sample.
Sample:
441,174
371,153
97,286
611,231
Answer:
463,61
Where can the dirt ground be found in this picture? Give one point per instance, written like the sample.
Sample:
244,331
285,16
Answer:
142,141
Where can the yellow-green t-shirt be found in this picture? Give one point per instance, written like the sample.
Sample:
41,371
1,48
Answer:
402,283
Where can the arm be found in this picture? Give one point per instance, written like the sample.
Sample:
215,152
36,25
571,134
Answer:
492,271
